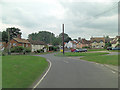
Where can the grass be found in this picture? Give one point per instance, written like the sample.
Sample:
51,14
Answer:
96,49
81,54
111,59
114,51
21,71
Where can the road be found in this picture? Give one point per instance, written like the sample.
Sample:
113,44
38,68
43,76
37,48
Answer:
70,73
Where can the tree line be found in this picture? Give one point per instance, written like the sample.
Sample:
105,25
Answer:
45,36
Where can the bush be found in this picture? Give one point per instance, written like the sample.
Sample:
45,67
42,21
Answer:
86,47
27,50
40,51
19,49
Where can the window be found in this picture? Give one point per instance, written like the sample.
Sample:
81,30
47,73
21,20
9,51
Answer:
101,41
26,45
14,44
23,44
94,42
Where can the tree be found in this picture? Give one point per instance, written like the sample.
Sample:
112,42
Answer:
13,33
108,44
66,38
44,36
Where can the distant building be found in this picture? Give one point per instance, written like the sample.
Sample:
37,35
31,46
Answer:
97,42
71,44
37,45
116,41
2,46
83,43
19,42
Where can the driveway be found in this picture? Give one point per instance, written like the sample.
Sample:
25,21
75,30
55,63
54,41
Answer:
70,73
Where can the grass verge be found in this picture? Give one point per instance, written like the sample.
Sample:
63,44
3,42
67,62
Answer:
97,50
106,59
81,54
21,71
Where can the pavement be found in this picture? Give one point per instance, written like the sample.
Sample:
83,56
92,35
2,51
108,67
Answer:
67,72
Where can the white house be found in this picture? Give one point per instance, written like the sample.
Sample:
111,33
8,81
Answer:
71,44
37,46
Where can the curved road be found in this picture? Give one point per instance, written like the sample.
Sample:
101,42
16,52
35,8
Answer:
70,73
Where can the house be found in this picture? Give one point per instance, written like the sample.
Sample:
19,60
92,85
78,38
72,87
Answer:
71,44
97,42
18,41
2,46
37,45
83,43
115,42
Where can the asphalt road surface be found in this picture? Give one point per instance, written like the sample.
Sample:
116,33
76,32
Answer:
70,73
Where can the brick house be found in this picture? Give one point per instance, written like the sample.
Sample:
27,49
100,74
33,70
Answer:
83,43
97,42
19,42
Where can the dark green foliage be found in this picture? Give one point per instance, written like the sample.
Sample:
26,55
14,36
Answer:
13,33
40,51
107,45
4,36
48,37
20,49
86,47
17,49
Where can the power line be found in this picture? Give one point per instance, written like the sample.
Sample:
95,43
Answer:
115,5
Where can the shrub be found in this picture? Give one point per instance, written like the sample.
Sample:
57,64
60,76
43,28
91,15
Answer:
27,50
86,47
17,49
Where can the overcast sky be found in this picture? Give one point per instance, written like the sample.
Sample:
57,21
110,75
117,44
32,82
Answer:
82,18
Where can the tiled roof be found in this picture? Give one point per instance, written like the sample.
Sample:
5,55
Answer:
97,39
34,42
21,40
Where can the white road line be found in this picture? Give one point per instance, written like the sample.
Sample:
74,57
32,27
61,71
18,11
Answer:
113,72
44,75
66,61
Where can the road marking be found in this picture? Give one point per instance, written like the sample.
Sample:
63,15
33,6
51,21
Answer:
66,61
44,75
113,72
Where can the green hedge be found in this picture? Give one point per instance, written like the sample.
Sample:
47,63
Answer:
19,49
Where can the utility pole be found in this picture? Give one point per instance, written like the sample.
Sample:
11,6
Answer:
8,42
63,38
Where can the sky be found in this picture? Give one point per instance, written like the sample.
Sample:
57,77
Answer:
82,18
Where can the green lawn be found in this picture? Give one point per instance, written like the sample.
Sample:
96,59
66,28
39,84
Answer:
111,59
81,54
21,71
97,50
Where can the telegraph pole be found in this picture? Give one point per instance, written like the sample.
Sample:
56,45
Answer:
8,42
63,38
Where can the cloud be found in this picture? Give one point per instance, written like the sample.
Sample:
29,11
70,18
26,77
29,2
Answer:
79,16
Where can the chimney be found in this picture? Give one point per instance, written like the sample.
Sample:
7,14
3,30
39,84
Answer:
19,36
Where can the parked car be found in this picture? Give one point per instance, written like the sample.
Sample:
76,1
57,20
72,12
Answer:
109,48
116,48
82,50
73,50
79,50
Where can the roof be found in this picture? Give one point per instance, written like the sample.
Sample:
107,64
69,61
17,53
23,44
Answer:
21,40
84,41
97,39
34,42
108,39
